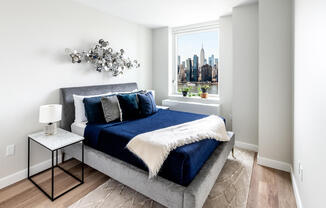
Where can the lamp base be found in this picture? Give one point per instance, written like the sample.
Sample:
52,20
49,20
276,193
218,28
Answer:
50,129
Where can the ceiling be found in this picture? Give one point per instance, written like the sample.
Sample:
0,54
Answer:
159,13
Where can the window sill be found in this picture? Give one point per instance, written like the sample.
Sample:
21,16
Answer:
211,99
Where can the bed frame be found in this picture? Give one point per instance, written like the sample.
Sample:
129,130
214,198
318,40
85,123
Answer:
159,189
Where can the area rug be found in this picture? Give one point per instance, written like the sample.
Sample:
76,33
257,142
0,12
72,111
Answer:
229,191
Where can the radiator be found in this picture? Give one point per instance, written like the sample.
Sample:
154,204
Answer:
192,107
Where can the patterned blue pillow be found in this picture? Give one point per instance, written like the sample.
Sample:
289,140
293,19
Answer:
129,106
147,104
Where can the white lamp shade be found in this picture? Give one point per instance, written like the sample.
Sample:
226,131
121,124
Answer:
50,113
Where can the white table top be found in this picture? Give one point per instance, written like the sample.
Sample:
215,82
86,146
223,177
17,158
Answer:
53,142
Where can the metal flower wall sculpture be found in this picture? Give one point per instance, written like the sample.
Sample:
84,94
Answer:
104,58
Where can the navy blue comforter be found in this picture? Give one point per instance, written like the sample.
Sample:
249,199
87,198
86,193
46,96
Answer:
182,164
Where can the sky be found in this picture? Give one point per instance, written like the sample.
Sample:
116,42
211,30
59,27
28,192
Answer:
191,43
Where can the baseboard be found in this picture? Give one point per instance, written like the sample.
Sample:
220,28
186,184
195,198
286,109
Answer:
22,174
296,190
246,146
279,165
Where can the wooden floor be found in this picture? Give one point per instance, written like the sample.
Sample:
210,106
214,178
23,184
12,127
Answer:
269,188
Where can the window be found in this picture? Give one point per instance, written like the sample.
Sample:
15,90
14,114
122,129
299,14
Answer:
196,56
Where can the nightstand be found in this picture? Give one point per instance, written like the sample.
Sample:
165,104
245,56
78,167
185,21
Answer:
54,143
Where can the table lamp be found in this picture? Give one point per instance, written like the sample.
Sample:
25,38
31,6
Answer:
50,114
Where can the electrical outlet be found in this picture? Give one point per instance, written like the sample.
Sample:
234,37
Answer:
10,150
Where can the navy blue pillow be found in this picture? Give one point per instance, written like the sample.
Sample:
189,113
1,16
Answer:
94,110
129,106
147,104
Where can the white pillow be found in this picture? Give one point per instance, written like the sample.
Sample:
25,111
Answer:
80,114
153,93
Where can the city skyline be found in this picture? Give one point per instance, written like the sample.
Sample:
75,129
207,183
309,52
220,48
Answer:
198,68
191,43
211,59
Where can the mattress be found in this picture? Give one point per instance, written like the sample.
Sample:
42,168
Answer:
182,164
78,128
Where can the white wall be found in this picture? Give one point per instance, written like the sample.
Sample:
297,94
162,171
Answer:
245,73
310,101
34,66
162,64
275,79
226,68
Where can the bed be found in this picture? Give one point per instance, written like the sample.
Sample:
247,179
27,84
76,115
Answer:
179,184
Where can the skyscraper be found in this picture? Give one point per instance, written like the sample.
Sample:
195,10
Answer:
211,60
189,70
214,73
182,74
216,61
178,64
202,56
195,69
206,73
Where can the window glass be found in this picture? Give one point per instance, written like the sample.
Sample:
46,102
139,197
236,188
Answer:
197,60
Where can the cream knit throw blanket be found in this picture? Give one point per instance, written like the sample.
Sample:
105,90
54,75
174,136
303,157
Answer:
154,147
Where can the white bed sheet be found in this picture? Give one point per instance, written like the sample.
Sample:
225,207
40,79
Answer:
78,128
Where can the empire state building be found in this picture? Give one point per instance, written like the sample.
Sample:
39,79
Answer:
202,56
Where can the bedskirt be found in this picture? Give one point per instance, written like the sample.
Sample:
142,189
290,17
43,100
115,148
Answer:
159,189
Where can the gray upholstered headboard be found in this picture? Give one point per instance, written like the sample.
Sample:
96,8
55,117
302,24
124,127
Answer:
67,101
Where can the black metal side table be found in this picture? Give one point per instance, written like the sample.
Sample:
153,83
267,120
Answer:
54,143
